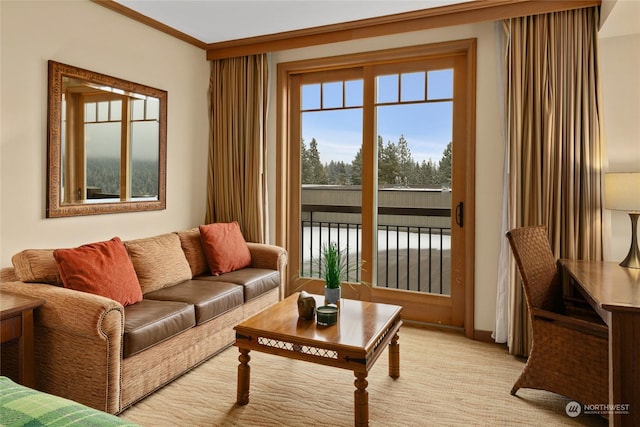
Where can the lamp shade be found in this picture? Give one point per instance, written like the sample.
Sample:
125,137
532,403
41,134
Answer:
622,191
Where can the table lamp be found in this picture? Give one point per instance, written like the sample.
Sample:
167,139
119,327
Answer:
622,193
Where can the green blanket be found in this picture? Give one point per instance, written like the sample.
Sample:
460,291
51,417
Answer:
22,406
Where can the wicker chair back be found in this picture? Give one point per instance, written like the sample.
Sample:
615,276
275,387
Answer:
538,268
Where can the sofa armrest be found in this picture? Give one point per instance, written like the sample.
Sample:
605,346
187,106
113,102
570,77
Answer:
78,344
75,312
271,257
267,256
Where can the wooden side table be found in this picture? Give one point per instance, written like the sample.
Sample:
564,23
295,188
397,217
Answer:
16,319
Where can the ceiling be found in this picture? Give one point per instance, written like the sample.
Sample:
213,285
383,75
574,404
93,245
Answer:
215,21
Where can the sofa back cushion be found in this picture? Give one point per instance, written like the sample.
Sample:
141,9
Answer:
159,261
101,268
193,251
225,247
37,266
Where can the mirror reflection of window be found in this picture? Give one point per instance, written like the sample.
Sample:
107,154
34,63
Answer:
144,147
112,152
63,149
102,127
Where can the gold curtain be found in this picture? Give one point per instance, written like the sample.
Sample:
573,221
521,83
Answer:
554,140
236,187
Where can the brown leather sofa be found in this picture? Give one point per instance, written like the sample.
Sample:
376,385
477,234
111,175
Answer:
94,351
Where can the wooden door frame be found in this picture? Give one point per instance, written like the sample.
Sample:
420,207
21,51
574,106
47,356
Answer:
287,195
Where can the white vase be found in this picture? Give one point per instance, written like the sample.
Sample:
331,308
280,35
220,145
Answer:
332,295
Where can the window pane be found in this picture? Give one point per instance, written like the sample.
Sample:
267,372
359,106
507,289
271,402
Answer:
353,93
63,146
102,142
90,112
387,88
311,97
103,111
440,84
116,110
330,136
153,108
144,159
332,95
137,109
414,159
412,87
331,175
426,130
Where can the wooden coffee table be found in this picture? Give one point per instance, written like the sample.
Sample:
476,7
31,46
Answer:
363,331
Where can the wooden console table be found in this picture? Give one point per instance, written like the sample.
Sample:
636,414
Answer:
614,292
16,320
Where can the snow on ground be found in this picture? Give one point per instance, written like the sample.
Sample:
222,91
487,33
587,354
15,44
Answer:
406,260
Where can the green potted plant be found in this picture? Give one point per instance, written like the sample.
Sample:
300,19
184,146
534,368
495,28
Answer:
332,268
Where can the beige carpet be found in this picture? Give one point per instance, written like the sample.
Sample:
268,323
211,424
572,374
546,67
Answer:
445,380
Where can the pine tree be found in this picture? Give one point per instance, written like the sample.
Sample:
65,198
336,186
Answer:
316,170
429,172
396,166
356,168
405,161
388,163
444,167
337,173
305,171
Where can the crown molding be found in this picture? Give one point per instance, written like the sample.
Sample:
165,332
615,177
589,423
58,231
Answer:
143,19
438,17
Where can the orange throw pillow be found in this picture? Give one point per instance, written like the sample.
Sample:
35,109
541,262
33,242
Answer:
224,247
101,268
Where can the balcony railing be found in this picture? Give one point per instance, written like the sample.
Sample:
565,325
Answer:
410,257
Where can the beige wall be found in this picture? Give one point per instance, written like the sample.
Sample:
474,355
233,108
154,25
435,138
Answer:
620,71
87,35
90,36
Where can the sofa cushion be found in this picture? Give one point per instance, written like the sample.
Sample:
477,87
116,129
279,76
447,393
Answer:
255,281
193,251
101,268
225,247
211,299
159,261
37,266
150,322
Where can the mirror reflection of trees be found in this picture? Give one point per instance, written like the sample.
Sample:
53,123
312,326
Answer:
396,167
103,174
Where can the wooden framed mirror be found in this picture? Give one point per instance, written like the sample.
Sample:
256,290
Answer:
107,144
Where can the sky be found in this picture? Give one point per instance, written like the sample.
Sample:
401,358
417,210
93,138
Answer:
427,126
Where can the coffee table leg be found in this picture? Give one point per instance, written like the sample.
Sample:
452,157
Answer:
361,399
244,377
394,358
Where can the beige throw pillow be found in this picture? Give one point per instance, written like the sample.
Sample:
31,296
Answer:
192,247
159,261
37,266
